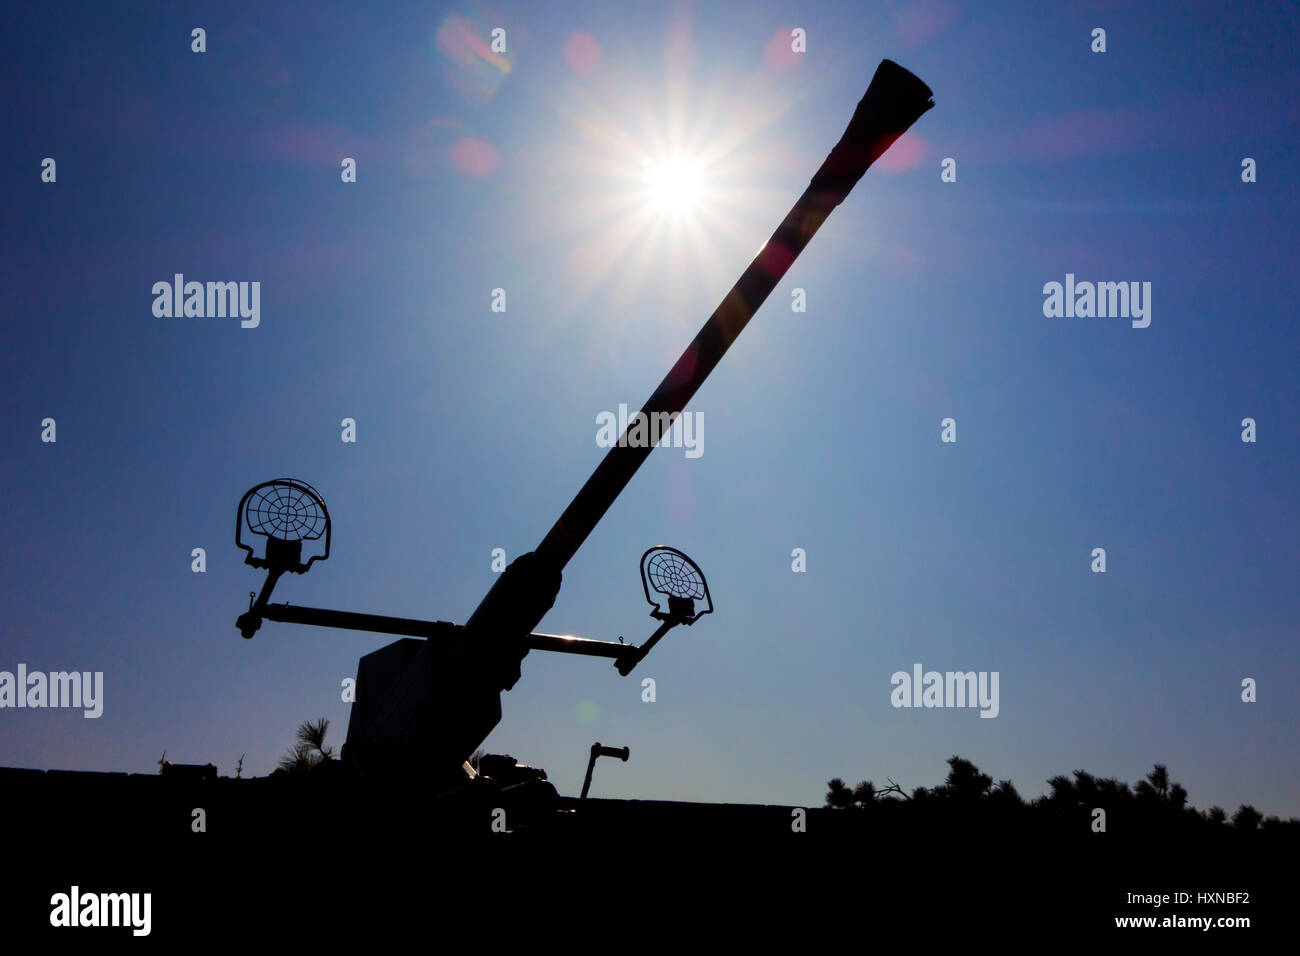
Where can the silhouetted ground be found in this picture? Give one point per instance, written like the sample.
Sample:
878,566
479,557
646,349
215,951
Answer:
373,860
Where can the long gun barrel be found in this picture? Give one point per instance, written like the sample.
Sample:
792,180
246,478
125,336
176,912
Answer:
892,103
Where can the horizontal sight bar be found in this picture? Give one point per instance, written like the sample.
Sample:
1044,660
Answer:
568,644
350,620
410,627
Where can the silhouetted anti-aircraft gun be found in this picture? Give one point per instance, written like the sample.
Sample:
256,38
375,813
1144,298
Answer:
287,512
426,702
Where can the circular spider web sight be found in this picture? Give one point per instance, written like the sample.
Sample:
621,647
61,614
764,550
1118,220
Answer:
671,573
286,512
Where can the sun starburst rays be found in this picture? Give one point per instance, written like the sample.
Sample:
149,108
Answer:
656,196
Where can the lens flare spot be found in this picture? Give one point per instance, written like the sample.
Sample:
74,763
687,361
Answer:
582,53
474,157
468,61
908,150
779,53
924,19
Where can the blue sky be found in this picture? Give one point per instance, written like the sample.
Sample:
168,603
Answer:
821,429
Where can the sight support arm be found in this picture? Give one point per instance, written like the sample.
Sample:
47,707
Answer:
287,512
667,572
436,630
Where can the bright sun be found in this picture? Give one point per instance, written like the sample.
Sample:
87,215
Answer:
673,185
662,191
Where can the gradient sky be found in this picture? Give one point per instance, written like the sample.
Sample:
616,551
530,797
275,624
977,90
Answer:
475,428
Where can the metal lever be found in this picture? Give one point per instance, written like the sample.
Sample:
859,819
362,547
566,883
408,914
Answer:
622,753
